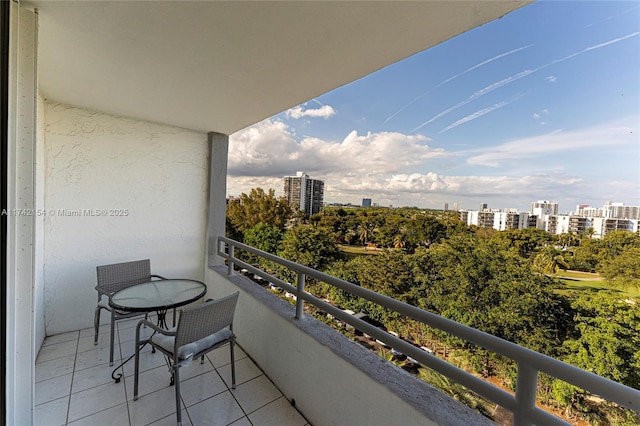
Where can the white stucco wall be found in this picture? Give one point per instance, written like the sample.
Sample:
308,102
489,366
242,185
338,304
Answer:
150,180
38,237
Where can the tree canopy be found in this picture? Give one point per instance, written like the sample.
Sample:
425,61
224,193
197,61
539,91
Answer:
500,282
258,207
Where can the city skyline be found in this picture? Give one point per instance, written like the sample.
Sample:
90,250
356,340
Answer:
541,104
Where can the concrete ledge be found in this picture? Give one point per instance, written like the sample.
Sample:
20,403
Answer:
332,379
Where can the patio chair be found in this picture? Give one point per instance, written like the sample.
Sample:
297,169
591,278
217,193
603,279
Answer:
201,329
113,278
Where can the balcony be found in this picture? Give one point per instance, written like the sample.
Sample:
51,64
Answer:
287,359
283,361
126,108
74,386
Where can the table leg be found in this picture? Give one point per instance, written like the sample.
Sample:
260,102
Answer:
161,322
162,319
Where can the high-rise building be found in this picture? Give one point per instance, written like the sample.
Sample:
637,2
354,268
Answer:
304,193
620,211
366,202
542,207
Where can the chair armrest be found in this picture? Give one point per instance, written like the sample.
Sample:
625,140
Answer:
158,276
101,292
156,328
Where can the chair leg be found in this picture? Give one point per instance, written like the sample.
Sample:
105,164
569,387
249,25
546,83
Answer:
113,330
96,324
233,366
137,364
177,385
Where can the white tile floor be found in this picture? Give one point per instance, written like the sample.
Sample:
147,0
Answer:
74,386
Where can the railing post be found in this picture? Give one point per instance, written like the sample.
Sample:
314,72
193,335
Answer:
299,299
526,389
230,261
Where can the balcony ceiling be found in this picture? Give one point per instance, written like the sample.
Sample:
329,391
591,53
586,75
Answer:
221,66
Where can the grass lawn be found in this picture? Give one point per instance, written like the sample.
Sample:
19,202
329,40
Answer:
578,275
357,250
581,281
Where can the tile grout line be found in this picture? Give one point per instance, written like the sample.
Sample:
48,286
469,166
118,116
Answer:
279,390
73,373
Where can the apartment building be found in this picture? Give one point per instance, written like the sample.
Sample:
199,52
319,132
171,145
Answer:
304,193
610,210
544,215
541,207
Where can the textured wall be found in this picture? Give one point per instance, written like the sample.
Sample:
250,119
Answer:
117,189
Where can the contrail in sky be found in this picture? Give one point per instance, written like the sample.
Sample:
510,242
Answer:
484,63
480,113
608,18
478,94
518,76
456,76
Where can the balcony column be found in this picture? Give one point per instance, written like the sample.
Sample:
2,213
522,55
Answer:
217,203
20,216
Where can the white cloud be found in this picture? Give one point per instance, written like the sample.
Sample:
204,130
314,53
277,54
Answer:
536,115
432,189
399,169
258,150
270,148
604,135
552,79
324,111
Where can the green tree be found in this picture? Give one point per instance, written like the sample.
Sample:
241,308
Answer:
469,281
608,337
266,238
624,267
309,246
456,391
549,259
614,243
398,242
585,256
258,207
524,241
568,239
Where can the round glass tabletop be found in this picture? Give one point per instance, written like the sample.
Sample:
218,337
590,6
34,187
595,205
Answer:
158,295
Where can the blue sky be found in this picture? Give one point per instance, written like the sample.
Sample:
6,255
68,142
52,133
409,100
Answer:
543,104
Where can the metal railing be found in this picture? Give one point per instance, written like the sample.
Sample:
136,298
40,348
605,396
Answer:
529,362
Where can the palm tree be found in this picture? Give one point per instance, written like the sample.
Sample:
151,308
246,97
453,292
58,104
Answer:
363,231
398,241
455,391
549,260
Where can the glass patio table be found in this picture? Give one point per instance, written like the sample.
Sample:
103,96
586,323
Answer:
158,296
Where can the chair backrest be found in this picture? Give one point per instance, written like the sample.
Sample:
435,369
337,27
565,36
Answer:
115,277
199,321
